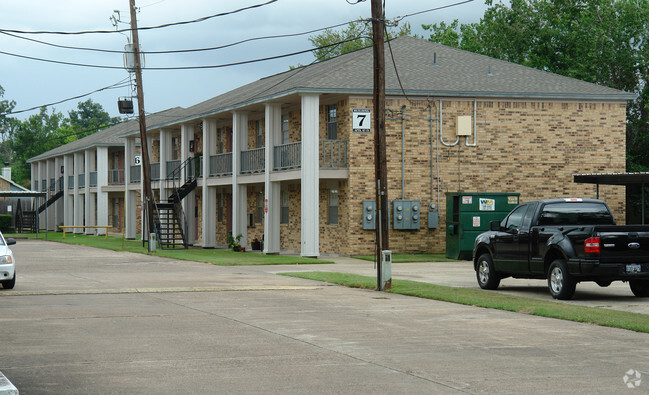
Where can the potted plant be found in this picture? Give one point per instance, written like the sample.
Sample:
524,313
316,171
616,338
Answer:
234,242
256,244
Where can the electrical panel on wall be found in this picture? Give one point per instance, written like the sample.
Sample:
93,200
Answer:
433,216
406,214
369,215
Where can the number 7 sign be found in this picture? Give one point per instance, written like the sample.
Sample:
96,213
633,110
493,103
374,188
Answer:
361,120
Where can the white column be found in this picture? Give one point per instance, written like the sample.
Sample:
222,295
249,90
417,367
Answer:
188,203
310,177
209,193
58,205
42,186
165,155
78,201
68,201
272,204
90,199
102,180
51,190
239,192
130,196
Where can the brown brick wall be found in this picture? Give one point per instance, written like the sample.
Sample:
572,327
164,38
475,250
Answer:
532,148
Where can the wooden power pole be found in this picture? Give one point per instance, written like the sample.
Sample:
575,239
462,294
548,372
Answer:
146,171
380,160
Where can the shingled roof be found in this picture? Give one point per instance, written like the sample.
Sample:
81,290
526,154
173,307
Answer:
110,137
424,68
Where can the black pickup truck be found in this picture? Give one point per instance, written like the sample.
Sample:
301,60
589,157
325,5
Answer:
565,241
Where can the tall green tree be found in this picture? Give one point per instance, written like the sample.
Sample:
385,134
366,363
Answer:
357,35
6,126
37,134
89,118
600,41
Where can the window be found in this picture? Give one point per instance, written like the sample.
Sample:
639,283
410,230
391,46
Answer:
260,134
219,140
115,216
175,148
333,207
576,214
515,219
332,122
260,207
285,135
284,203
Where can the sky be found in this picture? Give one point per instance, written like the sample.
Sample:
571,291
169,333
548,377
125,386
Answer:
31,83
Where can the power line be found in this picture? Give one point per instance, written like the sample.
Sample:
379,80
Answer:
399,18
116,85
182,50
142,28
183,67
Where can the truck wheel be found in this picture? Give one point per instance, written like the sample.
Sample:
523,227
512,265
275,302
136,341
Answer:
486,274
640,288
560,282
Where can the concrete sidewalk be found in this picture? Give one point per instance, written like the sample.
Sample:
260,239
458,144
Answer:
617,296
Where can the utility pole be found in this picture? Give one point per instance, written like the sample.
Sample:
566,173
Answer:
380,160
146,172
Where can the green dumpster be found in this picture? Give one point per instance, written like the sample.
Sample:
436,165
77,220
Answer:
469,214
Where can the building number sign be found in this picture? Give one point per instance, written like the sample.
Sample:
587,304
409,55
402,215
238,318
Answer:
361,120
138,160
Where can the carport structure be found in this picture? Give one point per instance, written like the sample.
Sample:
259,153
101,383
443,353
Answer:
626,179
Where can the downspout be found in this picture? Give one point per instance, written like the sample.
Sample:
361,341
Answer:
441,126
475,125
403,152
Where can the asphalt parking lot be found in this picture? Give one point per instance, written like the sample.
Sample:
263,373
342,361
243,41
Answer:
84,320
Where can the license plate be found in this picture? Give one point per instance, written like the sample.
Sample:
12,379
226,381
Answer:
633,268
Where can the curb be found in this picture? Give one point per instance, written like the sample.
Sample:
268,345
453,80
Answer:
6,388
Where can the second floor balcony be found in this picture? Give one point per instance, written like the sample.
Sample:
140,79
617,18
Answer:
116,177
220,165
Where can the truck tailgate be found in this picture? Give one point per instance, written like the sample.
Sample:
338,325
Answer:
623,243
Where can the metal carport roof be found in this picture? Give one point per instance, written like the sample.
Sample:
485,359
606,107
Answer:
641,178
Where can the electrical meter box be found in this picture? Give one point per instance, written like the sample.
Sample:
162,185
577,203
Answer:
406,214
369,215
469,214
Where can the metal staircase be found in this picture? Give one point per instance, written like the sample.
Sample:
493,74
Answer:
168,217
25,220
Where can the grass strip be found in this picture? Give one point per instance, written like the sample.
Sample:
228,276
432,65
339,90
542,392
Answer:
493,300
404,258
218,257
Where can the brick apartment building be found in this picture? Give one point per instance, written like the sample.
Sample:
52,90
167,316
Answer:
288,160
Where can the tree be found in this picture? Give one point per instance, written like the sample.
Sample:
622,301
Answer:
6,126
37,134
356,36
90,118
600,41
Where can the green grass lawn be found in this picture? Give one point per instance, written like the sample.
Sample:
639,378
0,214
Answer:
493,300
403,258
213,256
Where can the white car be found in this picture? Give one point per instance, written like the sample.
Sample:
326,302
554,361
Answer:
7,263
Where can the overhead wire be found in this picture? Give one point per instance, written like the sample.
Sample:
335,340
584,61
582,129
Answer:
144,27
120,84
183,50
180,67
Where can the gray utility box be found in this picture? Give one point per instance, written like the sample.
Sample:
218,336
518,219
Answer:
369,215
406,214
